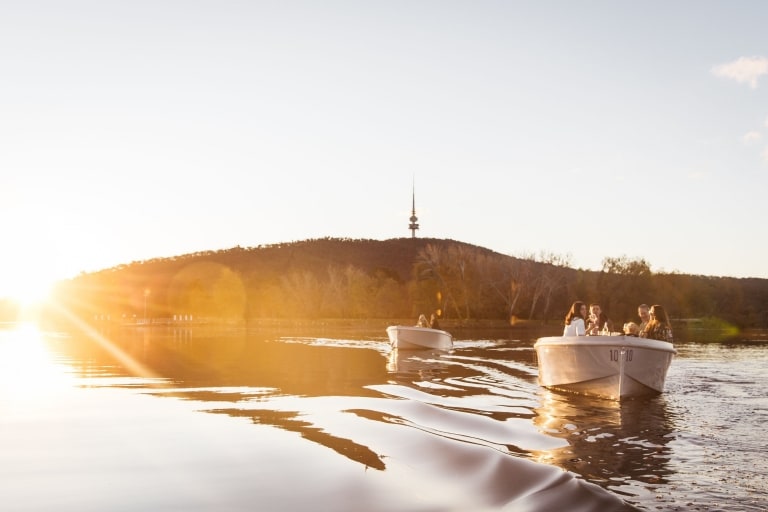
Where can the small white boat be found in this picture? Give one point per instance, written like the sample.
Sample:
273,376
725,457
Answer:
614,367
411,337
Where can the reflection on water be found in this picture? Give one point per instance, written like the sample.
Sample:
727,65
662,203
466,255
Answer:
361,427
620,445
292,422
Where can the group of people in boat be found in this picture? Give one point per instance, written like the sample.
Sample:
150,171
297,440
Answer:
654,322
432,323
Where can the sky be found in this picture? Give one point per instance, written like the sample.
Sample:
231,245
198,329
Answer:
586,129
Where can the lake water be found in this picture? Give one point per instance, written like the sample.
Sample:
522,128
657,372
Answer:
328,419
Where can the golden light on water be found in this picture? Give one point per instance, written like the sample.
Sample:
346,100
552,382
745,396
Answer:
134,366
29,368
26,364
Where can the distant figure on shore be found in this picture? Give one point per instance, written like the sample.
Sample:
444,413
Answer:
574,320
631,329
433,323
422,321
658,327
645,317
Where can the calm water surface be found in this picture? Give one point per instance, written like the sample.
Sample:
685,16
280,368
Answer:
202,419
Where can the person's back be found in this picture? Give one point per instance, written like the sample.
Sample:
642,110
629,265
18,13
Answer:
631,329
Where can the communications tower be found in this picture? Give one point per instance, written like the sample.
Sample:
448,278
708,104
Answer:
413,226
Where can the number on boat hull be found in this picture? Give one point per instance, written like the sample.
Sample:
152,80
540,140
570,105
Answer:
616,354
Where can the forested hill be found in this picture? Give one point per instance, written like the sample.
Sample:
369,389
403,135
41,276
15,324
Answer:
394,257
396,278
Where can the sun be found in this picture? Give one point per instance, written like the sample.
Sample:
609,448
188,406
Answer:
27,290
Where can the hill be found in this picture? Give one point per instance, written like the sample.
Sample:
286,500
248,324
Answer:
396,278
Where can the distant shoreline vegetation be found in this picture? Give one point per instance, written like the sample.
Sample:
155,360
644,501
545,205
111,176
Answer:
392,279
705,329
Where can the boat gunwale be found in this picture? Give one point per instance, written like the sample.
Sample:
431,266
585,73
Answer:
417,328
605,341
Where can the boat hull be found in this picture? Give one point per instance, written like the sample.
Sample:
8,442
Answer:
407,337
613,367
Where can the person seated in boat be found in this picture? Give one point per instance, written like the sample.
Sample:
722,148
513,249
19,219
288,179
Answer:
433,323
574,320
645,317
598,320
631,329
659,327
422,322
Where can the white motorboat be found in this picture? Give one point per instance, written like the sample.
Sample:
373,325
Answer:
614,367
411,337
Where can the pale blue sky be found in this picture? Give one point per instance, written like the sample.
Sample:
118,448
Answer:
142,129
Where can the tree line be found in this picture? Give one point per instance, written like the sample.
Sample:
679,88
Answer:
398,278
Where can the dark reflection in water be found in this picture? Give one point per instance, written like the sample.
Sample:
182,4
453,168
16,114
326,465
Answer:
290,421
478,405
610,443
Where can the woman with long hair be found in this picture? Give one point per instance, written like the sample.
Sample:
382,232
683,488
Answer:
574,320
659,327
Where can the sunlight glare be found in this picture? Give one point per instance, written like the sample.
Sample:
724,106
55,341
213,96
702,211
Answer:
26,289
26,365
